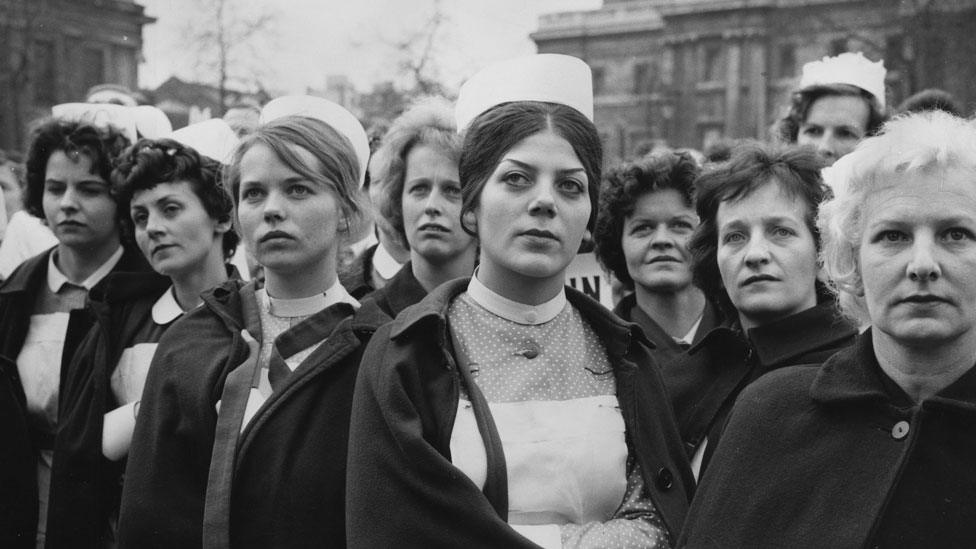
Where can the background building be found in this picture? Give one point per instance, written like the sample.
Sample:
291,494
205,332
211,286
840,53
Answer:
687,72
52,51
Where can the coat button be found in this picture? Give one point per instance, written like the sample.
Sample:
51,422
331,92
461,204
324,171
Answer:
665,479
530,349
900,430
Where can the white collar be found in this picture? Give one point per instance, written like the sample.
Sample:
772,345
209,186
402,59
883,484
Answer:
307,306
56,279
383,262
689,338
166,309
519,313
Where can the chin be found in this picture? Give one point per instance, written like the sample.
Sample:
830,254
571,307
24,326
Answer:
923,332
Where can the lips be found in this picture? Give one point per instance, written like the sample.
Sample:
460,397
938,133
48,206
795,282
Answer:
433,227
759,278
70,223
924,299
276,235
664,259
160,248
539,233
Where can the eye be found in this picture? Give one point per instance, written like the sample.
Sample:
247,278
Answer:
891,236
516,179
848,133
171,209
418,189
252,193
682,225
299,190
571,186
640,229
958,234
783,232
453,191
812,131
54,187
733,238
140,218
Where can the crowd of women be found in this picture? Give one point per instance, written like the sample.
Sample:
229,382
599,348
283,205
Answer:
791,367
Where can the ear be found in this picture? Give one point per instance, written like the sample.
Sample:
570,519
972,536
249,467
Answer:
470,221
222,227
343,225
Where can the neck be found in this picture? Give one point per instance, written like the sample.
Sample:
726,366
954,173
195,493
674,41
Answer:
675,312
79,264
397,251
923,371
189,286
431,275
304,281
522,289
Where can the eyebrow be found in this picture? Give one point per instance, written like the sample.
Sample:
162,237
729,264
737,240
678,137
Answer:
533,169
765,221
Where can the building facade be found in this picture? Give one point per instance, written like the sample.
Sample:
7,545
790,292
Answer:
686,73
53,51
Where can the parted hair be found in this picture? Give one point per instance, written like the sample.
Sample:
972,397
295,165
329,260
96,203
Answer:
752,164
100,145
494,132
153,161
787,128
623,185
923,143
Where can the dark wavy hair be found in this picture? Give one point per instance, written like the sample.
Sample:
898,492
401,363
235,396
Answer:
494,132
795,169
153,161
787,128
100,145
622,186
429,123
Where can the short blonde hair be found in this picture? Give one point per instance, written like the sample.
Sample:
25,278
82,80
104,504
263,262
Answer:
922,143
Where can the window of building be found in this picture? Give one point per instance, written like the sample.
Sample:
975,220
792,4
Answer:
92,67
642,73
45,82
838,46
786,67
599,80
712,63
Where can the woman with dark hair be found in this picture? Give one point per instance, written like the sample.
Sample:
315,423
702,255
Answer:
647,216
42,304
755,254
241,438
415,171
508,410
180,217
840,101
875,447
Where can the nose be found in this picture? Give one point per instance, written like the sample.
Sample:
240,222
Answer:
432,206
757,252
922,266
154,225
826,146
274,207
543,202
662,239
69,199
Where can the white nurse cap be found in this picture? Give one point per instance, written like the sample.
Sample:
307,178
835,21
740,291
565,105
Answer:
546,77
848,68
213,138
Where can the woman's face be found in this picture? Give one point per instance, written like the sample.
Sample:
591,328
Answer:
174,230
13,196
655,241
289,223
917,258
533,210
834,125
432,206
77,204
767,255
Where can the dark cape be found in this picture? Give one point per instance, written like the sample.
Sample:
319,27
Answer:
839,456
19,452
402,291
403,415
666,349
704,383
86,487
288,474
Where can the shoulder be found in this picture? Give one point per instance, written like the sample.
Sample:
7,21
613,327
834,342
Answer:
774,400
27,274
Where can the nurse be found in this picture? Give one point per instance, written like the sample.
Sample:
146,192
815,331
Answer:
507,410
180,218
242,430
840,101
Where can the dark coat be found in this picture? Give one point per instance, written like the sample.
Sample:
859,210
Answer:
402,291
86,486
289,472
666,349
704,383
404,411
357,277
18,456
838,456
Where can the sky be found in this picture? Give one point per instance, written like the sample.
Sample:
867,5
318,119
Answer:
315,38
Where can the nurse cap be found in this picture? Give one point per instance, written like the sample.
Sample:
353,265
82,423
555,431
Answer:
135,122
848,68
336,116
546,77
213,138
